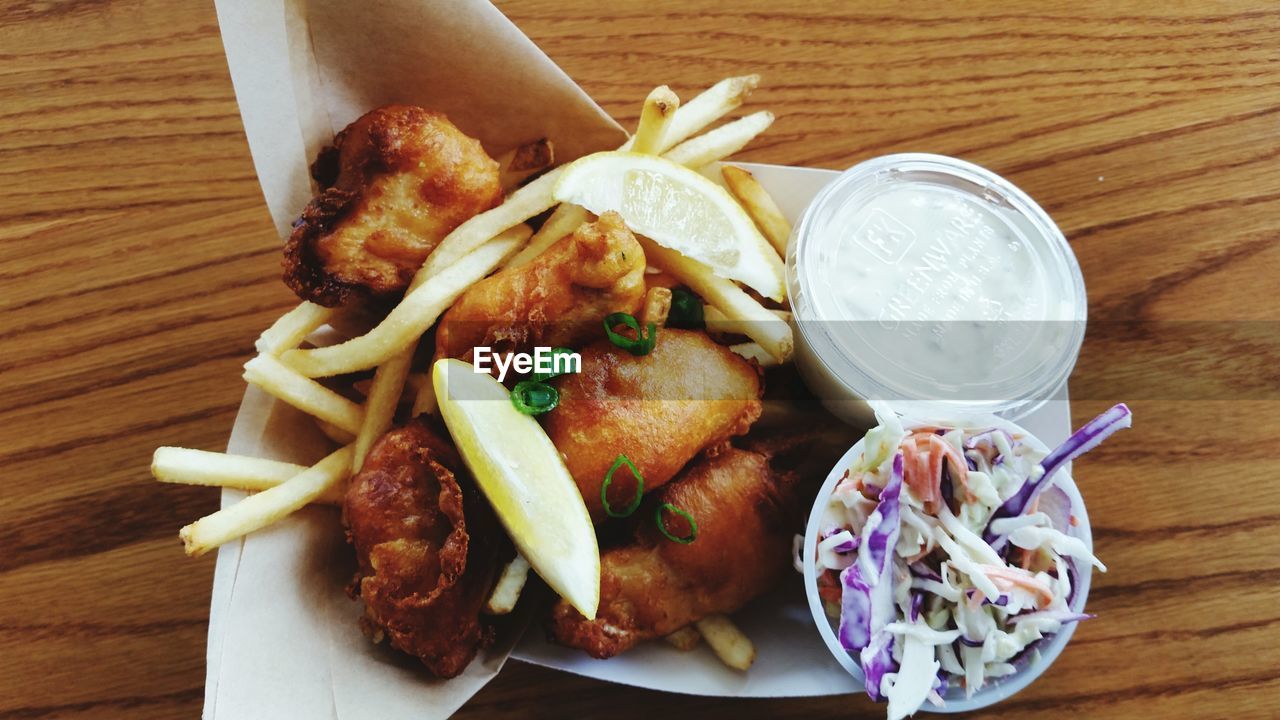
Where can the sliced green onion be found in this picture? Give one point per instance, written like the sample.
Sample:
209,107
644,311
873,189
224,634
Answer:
693,524
641,345
686,310
608,480
555,353
534,397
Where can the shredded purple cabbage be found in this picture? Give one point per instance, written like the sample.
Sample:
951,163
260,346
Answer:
940,683
1073,576
846,546
946,487
1081,441
867,604
986,437
1057,506
921,570
877,661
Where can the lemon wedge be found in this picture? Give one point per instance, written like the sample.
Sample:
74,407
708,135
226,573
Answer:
679,209
521,472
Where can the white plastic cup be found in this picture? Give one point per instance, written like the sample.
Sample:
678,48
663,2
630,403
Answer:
996,689
848,355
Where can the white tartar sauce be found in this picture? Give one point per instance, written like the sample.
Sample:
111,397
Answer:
926,279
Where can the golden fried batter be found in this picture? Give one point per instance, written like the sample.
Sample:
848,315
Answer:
428,548
396,181
660,410
558,299
746,512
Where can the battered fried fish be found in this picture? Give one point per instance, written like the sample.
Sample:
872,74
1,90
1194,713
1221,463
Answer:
395,182
558,299
746,511
428,548
660,410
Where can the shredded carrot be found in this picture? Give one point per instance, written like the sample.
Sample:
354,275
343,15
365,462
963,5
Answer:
829,587
925,452
924,553
1026,559
1008,578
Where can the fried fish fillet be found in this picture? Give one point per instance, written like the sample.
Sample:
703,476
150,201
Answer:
746,513
660,410
395,182
428,548
558,299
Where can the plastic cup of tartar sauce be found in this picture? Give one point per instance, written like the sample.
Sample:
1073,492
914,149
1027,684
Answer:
935,285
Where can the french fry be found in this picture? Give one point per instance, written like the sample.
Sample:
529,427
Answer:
706,108
415,313
753,351
506,592
565,219
334,433
718,322
424,402
185,466
519,163
346,322
470,235
685,639
733,647
387,386
264,508
656,116
303,393
720,143
757,322
760,206
380,405
657,305
292,328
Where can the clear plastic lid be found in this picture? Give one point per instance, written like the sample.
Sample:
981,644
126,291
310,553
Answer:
935,284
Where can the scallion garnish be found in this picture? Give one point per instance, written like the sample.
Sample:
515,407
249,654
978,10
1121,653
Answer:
608,480
534,397
662,526
555,353
686,310
641,344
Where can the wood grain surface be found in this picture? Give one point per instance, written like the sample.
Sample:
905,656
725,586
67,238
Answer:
138,263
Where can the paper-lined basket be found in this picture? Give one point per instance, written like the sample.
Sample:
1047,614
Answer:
283,637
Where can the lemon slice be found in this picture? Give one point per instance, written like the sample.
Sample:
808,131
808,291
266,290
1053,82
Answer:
521,472
678,209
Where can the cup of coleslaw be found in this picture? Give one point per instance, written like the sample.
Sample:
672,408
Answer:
950,560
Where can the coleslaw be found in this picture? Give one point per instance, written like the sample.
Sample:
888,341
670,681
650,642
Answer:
947,555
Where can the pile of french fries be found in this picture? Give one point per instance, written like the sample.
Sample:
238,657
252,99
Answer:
498,238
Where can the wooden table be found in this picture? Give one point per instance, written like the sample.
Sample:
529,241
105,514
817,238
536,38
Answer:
138,264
